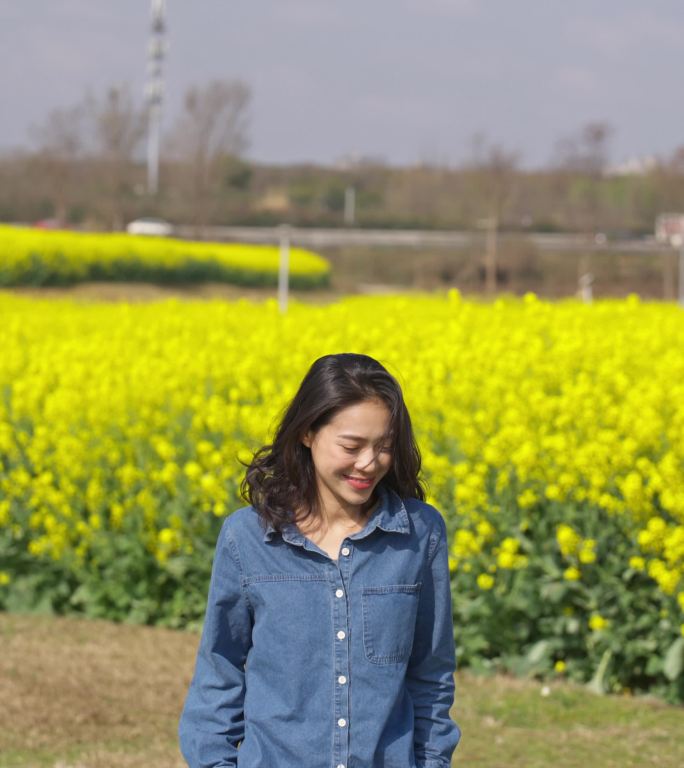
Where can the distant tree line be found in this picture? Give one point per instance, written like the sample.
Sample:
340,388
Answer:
86,168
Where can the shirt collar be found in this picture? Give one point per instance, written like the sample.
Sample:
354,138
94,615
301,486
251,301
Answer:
390,515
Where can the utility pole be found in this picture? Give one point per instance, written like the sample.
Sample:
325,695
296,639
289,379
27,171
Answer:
349,205
154,91
491,226
284,267
585,291
677,241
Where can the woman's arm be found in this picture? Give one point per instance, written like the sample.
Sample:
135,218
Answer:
431,667
212,722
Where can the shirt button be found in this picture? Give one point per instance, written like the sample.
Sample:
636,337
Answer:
345,550
341,765
340,634
341,679
339,592
341,722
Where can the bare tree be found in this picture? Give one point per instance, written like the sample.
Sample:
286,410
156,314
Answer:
492,172
211,128
60,140
675,163
92,143
587,151
118,127
584,158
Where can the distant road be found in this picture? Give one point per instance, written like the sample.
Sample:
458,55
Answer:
411,238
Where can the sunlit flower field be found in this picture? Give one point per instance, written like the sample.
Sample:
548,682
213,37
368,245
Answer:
45,257
552,438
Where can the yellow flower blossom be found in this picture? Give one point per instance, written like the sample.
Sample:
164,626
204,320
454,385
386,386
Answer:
587,551
525,424
571,574
597,622
568,539
485,581
528,498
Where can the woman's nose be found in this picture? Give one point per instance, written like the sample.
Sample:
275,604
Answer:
366,459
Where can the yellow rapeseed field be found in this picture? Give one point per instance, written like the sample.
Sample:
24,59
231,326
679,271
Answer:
552,438
45,257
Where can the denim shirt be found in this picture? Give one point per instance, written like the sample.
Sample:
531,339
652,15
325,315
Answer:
309,662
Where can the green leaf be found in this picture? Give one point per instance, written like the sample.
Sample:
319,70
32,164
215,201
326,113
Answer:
654,666
178,566
81,596
674,660
538,652
554,591
597,684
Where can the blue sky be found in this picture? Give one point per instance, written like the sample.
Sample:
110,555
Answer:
405,80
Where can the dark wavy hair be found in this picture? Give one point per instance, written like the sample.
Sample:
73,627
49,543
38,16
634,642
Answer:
281,478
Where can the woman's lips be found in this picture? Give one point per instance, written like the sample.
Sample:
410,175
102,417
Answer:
360,485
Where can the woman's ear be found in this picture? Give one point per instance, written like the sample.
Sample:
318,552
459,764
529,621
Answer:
306,440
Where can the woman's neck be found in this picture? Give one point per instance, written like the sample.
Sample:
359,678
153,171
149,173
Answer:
342,519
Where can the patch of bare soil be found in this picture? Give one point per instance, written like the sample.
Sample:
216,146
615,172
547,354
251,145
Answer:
66,681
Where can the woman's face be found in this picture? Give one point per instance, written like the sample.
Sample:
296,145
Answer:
351,454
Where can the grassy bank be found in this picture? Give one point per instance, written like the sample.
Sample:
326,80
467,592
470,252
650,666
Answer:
84,693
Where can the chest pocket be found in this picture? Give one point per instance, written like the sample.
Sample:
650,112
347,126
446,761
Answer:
389,620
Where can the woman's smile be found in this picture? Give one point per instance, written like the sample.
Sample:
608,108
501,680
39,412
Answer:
361,484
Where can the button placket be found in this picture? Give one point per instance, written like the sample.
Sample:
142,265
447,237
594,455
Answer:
342,657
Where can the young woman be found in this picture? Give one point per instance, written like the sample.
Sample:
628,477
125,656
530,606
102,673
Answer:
328,638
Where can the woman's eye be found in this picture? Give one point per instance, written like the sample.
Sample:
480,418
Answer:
385,449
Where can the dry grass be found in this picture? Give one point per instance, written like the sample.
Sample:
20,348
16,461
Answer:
81,693
109,694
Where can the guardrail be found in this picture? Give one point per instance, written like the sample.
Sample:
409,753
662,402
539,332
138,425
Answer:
321,238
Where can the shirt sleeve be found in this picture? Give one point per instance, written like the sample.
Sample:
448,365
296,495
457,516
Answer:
431,667
212,721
